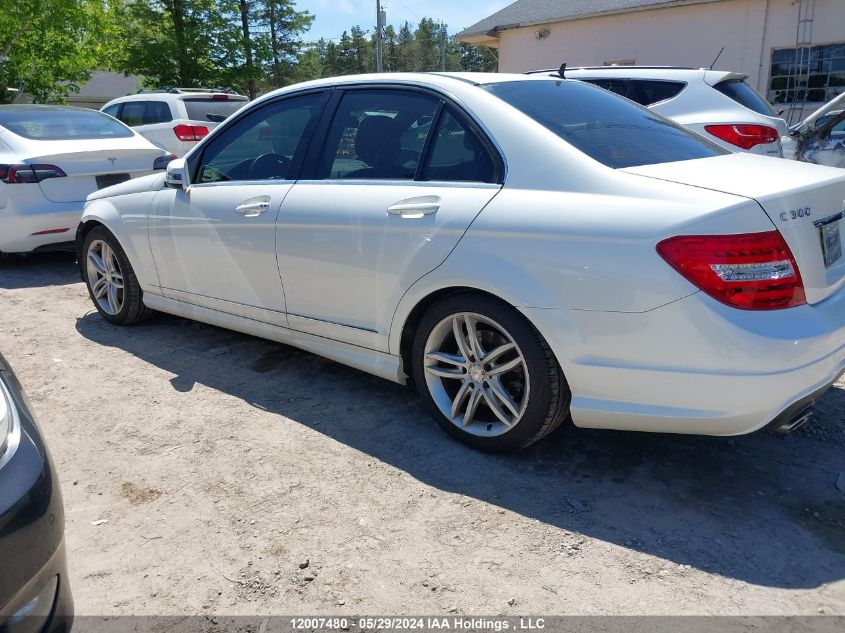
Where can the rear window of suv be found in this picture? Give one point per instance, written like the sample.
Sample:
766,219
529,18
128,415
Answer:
744,95
56,124
207,109
608,129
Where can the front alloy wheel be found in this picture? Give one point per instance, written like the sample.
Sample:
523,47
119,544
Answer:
487,376
111,282
105,277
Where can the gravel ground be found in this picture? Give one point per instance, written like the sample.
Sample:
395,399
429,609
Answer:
207,472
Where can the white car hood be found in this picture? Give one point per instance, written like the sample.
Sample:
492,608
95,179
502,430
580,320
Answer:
136,185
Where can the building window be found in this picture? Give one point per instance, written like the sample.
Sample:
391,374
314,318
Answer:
621,62
792,81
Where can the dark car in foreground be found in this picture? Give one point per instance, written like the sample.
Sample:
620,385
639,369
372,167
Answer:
34,590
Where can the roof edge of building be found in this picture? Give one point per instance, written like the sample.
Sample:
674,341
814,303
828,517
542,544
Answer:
494,32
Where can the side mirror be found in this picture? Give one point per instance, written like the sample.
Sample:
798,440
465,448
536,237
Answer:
176,174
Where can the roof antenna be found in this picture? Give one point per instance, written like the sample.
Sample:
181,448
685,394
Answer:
562,70
718,55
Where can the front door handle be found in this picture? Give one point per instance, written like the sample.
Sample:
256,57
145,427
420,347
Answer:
414,208
254,206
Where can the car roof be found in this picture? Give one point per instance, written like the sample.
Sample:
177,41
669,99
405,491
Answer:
176,96
22,107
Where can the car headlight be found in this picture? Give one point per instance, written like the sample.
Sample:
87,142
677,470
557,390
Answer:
9,424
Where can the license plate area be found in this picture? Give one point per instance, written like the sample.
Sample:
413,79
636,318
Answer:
107,180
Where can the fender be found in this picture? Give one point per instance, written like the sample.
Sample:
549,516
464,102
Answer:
128,224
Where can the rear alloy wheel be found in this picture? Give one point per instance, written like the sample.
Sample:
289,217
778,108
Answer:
487,375
111,282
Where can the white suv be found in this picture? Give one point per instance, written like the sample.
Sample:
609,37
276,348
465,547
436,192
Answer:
175,119
717,104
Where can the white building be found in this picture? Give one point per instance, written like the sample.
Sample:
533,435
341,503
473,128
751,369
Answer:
792,50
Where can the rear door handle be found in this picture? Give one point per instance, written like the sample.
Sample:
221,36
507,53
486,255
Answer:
413,208
254,206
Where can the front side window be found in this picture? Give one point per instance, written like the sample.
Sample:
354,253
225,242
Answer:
606,128
50,123
377,134
457,154
262,145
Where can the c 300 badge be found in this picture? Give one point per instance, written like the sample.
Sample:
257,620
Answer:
794,214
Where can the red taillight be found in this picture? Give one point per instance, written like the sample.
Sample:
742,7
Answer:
744,136
219,97
22,174
751,271
190,132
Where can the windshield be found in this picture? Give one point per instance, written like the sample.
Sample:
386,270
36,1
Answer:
607,128
56,124
207,109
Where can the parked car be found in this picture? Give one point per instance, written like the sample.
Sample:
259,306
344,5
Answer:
820,138
175,119
51,158
547,249
35,593
717,104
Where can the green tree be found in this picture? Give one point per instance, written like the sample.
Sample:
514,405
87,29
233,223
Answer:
48,47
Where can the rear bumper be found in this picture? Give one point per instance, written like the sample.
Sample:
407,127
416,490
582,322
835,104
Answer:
695,366
22,225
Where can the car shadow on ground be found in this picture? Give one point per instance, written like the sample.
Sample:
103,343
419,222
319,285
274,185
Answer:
38,270
762,509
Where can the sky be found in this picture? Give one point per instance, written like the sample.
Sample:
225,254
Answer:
333,17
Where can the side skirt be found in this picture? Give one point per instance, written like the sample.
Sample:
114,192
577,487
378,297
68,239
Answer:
373,362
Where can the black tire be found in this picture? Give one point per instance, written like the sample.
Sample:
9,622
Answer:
548,396
133,309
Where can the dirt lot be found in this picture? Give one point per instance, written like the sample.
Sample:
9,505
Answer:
201,469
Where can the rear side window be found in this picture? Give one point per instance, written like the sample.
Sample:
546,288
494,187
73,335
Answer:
214,110
377,135
608,129
56,124
145,113
744,95
458,155
647,92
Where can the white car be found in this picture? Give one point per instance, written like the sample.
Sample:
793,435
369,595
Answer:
51,158
820,138
175,119
717,104
524,249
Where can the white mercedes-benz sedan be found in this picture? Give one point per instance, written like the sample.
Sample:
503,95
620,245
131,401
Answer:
523,249
51,158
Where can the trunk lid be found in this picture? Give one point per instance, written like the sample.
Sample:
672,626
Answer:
797,197
83,168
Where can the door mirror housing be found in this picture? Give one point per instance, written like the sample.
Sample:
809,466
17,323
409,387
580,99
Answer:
176,176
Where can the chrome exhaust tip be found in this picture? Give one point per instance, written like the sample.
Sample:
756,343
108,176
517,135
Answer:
799,420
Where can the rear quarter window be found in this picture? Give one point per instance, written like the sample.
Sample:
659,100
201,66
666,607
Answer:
744,95
648,92
611,130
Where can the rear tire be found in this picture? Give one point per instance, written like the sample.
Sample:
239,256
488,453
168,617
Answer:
111,281
486,374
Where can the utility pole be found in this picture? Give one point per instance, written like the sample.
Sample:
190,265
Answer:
443,36
381,20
